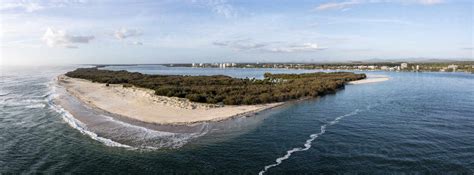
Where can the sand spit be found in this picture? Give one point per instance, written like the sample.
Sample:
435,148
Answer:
141,104
370,79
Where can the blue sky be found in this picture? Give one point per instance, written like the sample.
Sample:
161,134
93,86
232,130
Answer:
141,31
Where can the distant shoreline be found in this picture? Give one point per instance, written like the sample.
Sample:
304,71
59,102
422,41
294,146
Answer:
449,66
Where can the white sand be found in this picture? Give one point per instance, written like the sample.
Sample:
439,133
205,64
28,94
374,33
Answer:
141,104
370,79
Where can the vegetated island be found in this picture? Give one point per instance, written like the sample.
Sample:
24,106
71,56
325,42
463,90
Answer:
178,99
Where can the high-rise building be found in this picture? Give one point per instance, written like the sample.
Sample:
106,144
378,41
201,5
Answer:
403,65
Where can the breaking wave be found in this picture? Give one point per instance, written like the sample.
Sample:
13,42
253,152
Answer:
76,124
308,142
39,105
149,138
117,133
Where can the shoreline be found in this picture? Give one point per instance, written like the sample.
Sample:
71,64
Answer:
370,79
141,105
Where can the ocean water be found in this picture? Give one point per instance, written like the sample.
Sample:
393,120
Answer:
414,123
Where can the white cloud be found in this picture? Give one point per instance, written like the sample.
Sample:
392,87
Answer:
33,6
430,2
220,7
345,4
138,43
60,38
126,33
337,5
336,20
240,45
247,44
28,7
305,47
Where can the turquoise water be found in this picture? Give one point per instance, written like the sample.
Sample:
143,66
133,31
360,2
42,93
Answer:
413,123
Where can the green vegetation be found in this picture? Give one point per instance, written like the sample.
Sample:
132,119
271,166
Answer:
225,89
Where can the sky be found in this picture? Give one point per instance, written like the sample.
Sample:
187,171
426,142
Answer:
185,31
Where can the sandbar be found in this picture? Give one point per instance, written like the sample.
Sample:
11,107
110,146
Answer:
370,79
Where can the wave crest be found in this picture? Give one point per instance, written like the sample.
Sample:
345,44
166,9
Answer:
308,142
115,133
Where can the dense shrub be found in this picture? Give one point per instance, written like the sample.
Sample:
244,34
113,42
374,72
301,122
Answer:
224,89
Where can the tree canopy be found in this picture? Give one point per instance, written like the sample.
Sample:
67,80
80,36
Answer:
224,89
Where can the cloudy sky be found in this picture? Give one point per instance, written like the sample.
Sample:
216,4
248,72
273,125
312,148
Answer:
161,31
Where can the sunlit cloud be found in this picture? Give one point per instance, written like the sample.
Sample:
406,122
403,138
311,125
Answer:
337,5
28,7
223,8
138,43
219,7
240,45
281,47
305,47
344,5
60,38
430,2
124,33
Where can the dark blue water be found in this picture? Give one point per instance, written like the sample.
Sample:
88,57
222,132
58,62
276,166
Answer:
414,123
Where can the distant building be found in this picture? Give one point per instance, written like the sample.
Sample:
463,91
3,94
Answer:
453,67
222,65
417,67
403,65
384,68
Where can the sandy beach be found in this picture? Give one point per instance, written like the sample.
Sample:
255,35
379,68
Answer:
141,104
370,79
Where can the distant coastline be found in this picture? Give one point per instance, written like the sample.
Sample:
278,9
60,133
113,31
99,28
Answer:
397,66
379,65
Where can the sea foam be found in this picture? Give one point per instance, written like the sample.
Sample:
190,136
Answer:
76,124
138,136
308,142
